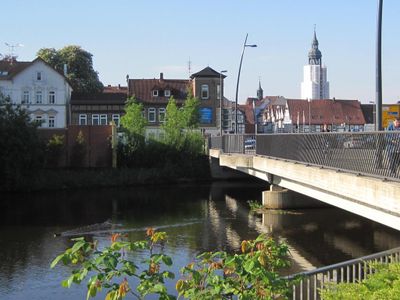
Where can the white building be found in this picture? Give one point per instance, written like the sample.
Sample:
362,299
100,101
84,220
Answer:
315,84
39,88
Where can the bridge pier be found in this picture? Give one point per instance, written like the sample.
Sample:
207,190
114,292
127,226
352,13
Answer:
280,198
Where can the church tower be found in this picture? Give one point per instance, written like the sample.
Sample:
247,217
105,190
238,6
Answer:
260,92
315,84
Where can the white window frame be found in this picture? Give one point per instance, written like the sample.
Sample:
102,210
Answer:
205,92
39,76
26,97
52,97
161,115
40,120
167,93
155,93
103,119
52,122
116,118
82,119
151,115
95,119
39,97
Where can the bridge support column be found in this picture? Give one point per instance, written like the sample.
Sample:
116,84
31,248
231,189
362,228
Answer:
281,198
277,198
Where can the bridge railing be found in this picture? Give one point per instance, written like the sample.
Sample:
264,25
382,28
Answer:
373,153
350,271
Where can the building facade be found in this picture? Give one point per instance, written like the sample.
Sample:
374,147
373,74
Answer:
315,84
100,108
39,88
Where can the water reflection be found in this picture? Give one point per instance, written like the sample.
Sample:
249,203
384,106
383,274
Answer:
196,217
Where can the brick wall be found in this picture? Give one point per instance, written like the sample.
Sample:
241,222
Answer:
97,140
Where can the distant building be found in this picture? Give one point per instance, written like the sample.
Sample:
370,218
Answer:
154,94
39,88
99,108
315,84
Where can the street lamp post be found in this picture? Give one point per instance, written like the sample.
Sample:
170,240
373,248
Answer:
221,101
378,124
237,83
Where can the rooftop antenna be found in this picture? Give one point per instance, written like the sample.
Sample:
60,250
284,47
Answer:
11,49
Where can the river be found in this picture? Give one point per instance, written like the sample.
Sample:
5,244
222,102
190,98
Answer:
196,217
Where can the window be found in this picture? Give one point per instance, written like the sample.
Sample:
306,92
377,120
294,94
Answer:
103,119
25,97
116,119
39,120
82,119
151,114
167,93
155,93
161,115
39,97
52,121
95,119
52,97
38,75
218,91
204,91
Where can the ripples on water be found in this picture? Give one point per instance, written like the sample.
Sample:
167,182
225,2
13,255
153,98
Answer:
196,217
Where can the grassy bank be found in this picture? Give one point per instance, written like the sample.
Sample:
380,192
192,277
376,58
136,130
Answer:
57,179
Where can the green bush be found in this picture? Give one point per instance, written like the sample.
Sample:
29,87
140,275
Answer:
384,283
250,274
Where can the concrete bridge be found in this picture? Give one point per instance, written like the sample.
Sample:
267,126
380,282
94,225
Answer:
358,177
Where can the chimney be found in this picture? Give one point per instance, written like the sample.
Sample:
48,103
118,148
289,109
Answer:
161,76
65,69
119,86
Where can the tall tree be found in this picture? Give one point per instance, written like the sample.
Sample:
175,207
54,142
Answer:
190,112
80,73
21,148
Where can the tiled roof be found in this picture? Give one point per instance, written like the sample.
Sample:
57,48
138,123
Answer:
14,67
326,111
142,89
115,89
248,112
207,72
107,97
10,68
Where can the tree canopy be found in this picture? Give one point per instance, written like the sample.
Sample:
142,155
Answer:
21,148
133,121
80,73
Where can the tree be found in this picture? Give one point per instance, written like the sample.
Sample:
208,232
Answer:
133,121
174,124
190,112
80,73
21,147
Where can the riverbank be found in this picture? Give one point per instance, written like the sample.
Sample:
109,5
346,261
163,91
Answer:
64,179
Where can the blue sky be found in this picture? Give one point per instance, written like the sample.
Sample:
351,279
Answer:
143,38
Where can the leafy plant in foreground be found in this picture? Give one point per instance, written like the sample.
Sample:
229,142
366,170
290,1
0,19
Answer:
250,274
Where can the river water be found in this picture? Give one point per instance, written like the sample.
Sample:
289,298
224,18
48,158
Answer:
196,217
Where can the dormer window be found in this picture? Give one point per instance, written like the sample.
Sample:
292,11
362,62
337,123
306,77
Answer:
38,76
167,93
155,93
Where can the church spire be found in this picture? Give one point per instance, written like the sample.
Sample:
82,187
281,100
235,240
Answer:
260,92
314,55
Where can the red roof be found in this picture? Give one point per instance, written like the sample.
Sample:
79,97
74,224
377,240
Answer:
326,111
143,89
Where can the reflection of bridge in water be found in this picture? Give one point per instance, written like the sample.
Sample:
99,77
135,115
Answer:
312,238
352,176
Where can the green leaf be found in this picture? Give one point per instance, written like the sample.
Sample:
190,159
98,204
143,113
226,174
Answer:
167,260
56,260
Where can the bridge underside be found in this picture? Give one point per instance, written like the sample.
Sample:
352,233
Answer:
372,198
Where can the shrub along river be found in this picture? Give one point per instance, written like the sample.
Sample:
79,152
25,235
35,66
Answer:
196,217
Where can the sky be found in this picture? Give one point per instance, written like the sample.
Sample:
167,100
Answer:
142,38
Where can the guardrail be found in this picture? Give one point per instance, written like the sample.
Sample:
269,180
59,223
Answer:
353,270
374,154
